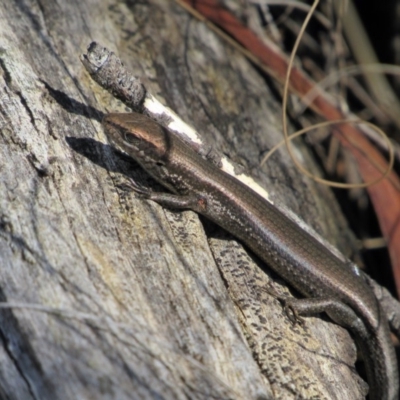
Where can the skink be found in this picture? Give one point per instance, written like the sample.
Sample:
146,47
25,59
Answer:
302,261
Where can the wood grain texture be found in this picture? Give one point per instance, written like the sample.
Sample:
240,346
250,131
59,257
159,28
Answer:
137,301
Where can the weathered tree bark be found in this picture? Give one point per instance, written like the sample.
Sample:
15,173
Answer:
119,297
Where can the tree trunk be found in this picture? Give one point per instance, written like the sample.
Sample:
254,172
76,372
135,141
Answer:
111,296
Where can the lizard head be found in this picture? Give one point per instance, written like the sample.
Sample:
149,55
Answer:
138,136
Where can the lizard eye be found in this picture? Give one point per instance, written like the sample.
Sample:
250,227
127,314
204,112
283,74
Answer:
130,138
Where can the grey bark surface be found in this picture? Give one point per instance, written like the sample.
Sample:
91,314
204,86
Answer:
120,298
